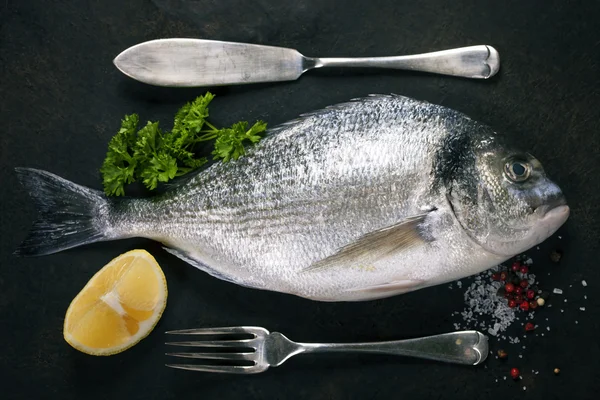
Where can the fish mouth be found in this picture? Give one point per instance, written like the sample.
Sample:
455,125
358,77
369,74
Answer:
554,208
551,216
560,212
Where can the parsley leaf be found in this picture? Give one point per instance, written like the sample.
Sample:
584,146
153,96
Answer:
154,156
119,165
230,141
161,168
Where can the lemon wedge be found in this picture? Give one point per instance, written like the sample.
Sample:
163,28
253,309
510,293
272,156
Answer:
118,307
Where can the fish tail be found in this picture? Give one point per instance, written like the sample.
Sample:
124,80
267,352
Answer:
69,215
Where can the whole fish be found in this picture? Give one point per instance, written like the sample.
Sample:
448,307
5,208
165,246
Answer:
362,200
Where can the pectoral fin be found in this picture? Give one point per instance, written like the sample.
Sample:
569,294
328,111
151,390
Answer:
379,244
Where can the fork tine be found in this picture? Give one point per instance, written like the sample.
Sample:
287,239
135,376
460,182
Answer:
215,356
219,331
215,343
226,369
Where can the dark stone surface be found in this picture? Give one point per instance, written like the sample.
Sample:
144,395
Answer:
61,100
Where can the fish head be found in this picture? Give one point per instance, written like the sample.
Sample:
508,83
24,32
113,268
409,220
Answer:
505,201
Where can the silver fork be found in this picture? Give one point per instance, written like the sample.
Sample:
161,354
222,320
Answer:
264,349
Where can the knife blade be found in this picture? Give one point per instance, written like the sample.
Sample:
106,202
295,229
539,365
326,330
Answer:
185,62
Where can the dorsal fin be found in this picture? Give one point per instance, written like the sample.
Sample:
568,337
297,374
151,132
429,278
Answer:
340,106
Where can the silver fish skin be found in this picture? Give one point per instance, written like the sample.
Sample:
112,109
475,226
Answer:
363,200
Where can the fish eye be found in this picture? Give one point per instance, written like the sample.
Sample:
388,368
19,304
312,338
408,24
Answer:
517,171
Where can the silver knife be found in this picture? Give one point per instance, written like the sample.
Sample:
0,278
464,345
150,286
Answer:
198,62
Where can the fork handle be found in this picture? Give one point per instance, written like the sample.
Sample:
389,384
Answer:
464,347
481,62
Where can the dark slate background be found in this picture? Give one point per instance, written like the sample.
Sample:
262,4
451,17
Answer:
61,100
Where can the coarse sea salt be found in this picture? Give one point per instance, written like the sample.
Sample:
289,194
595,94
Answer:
486,309
481,300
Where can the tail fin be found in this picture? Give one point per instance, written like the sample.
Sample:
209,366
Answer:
69,215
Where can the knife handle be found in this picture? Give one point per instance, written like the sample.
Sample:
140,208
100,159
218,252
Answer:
481,62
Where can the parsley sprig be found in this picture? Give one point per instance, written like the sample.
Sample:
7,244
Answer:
152,155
